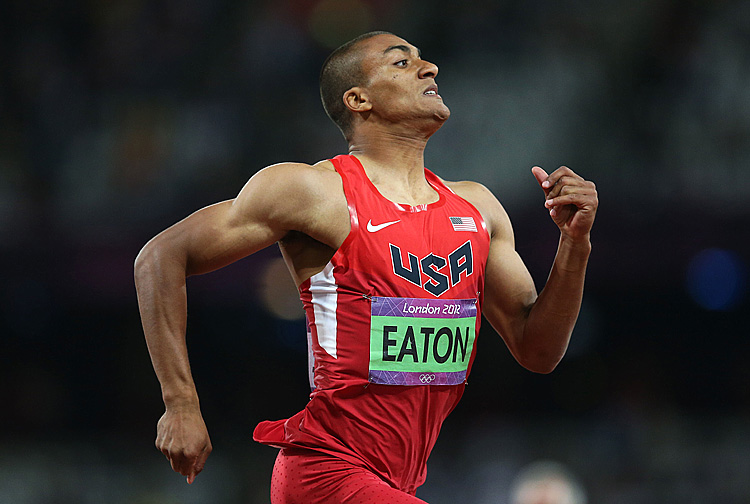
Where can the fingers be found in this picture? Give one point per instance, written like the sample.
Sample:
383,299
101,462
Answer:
569,192
562,186
571,200
540,175
580,196
188,462
563,171
199,464
184,441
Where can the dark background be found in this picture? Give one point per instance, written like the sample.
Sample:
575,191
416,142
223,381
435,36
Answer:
119,118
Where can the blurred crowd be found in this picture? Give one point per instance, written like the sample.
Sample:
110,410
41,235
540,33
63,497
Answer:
119,118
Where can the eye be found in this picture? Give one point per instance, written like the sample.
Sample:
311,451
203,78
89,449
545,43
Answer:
402,63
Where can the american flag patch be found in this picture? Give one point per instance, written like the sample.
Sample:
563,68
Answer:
463,224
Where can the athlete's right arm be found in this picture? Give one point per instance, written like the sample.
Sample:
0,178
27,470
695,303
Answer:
273,202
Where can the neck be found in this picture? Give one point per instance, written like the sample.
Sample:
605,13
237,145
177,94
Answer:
391,152
395,164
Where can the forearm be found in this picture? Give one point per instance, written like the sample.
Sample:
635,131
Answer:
162,300
553,315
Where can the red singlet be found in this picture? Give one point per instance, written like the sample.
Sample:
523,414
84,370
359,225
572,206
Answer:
392,322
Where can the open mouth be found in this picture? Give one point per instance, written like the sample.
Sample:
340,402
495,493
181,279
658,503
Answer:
431,91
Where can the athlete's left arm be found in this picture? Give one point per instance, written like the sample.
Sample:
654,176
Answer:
537,328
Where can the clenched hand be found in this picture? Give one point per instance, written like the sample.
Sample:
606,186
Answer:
182,437
572,201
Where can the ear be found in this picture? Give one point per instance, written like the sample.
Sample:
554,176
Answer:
356,99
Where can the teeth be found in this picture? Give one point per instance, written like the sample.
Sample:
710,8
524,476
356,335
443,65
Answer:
430,92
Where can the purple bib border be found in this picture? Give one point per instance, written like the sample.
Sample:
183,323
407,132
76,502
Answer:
411,378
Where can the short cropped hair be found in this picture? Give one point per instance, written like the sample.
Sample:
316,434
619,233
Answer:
341,71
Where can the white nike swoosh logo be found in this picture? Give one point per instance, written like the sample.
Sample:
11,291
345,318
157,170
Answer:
373,229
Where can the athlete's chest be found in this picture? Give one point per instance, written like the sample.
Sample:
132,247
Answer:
429,251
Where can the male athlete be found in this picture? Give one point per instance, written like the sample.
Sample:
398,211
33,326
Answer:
395,268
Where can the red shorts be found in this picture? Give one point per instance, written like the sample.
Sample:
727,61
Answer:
309,477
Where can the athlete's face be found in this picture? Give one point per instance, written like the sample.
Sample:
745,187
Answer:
401,85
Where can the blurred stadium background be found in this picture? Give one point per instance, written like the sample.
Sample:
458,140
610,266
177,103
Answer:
118,118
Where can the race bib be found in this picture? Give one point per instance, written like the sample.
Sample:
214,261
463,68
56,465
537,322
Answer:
421,341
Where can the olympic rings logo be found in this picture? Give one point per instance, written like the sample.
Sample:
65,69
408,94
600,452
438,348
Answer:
427,378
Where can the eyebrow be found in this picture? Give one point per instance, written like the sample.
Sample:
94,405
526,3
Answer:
401,47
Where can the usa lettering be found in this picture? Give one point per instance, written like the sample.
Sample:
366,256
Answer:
434,273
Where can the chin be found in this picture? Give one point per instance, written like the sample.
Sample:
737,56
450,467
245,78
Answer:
442,114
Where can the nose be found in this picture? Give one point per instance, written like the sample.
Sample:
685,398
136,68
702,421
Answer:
428,70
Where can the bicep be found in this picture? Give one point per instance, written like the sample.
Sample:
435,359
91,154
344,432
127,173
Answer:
225,232
214,237
509,292
509,288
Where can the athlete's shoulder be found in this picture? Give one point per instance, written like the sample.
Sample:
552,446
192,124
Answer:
325,166
296,196
484,201
292,184
468,188
290,178
475,193
294,170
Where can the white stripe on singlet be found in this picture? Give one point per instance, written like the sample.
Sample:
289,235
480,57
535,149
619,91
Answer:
324,300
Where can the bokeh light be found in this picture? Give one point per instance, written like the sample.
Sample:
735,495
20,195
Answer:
717,279
279,294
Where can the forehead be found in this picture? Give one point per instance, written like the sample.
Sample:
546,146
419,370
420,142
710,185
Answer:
379,47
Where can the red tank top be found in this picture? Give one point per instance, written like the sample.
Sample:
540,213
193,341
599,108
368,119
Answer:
392,323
